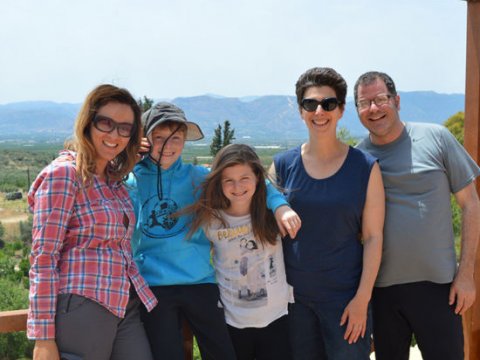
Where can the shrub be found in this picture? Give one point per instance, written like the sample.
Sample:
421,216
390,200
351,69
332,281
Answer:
14,345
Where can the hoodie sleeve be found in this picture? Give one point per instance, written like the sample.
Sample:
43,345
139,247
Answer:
132,188
275,198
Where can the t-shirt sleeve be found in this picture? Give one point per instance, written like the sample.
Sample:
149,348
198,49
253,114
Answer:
461,168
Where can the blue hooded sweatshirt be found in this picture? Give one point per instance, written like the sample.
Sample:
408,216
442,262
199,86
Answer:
161,249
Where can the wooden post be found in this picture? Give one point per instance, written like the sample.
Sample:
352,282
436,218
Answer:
471,320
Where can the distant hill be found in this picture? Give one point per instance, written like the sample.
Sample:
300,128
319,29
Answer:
37,120
255,117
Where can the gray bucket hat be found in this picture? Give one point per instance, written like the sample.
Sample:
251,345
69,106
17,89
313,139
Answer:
164,111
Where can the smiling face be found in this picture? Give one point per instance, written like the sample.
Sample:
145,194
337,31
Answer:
239,183
383,122
321,121
173,147
109,144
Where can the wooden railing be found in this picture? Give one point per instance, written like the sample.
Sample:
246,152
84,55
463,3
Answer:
12,321
16,320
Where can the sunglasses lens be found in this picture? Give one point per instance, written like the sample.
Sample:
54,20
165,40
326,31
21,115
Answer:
310,104
329,104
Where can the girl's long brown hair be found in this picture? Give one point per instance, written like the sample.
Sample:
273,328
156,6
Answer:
120,167
212,198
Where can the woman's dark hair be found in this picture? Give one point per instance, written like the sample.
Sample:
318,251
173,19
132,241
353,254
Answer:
321,76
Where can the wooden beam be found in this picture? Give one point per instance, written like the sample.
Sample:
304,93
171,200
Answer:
11,321
471,320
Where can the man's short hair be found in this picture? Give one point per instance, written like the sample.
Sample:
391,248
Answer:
372,76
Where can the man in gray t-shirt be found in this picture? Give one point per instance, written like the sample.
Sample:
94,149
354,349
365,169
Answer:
419,289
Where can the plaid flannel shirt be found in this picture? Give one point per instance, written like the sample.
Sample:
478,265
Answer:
80,245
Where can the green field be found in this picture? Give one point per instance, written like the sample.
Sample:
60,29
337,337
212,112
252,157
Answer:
21,163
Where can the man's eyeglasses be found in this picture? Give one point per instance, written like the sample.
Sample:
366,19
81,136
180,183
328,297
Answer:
107,125
380,100
327,104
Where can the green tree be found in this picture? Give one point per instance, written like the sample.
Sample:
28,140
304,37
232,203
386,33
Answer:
216,143
11,266
455,124
145,104
343,134
14,296
14,345
228,133
222,137
26,231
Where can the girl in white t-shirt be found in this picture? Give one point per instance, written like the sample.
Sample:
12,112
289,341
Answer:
248,254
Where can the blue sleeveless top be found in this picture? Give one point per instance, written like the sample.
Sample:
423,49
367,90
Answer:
324,261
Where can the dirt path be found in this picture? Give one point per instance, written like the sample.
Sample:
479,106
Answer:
13,219
10,216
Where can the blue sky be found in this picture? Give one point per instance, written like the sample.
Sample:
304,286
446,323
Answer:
59,50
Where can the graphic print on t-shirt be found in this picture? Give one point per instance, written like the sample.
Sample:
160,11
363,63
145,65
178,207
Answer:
251,275
250,269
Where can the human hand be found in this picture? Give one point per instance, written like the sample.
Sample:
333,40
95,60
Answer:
45,350
356,315
462,292
144,148
288,221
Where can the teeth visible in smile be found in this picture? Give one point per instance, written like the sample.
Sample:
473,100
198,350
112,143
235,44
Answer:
239,194
317,122
110,144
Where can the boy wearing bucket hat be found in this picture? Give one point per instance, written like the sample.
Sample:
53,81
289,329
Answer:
177,268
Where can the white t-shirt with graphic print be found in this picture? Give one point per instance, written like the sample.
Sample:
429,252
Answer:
251,276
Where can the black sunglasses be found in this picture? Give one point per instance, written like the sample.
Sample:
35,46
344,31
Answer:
107,125
327,104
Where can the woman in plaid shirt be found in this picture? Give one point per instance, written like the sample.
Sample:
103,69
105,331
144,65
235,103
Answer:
85,289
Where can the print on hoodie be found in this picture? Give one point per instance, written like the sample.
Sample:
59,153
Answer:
158,213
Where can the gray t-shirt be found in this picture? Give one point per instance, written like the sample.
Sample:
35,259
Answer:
420,169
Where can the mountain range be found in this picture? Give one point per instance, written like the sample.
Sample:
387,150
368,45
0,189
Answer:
272,117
